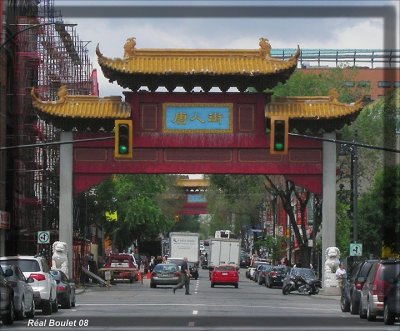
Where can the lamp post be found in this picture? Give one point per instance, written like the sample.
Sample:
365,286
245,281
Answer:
57,24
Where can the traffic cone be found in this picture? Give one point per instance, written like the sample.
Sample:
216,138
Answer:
148,275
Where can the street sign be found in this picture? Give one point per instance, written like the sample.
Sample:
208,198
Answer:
355,249
43,237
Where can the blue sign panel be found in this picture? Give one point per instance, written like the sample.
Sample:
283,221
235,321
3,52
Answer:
196,198
197,118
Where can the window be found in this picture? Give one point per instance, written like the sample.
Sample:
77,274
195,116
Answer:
348,84
364,83
384,83
396,84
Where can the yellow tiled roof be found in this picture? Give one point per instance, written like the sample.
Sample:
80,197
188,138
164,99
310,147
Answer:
192,182
82,106
197,61
311,107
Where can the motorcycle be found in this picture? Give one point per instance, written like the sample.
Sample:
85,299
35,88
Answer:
302,285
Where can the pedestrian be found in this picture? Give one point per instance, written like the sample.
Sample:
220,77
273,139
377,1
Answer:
340,275
185,277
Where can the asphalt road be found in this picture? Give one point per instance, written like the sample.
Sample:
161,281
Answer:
136,306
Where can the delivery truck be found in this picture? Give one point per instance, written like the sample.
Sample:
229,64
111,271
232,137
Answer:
224,251
184,244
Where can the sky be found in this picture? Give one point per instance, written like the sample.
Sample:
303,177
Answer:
328,24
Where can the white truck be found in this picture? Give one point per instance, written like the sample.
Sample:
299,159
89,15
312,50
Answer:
224,250
184,244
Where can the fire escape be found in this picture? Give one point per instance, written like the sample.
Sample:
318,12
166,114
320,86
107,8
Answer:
45,58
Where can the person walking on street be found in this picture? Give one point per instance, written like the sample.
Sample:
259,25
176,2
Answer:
340,276
185,277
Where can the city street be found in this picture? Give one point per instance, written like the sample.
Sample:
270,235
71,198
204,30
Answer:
250,307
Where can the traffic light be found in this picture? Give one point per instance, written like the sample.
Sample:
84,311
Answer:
279,135
123,139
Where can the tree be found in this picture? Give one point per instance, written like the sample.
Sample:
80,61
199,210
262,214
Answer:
379,211
146,206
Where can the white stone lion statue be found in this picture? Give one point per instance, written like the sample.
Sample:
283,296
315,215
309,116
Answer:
60,257
332,255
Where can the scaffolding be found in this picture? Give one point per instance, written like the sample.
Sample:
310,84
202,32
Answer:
45,58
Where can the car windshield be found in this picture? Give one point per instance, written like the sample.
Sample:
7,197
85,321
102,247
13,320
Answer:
225,268
308,273
25,265
166,267
175,261
389,272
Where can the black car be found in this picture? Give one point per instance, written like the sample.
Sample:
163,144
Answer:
65,289
391,308
6,298
244,260
262,273
351,294
276,276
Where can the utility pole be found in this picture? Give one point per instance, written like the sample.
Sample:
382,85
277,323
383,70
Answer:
354,187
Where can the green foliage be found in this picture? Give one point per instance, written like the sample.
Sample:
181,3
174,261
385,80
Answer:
343,226
274,245
234,200
320,82
189,223
146,206
379,211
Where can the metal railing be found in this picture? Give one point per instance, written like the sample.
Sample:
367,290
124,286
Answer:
336,57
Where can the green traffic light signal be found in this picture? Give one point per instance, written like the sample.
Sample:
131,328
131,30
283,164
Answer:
279,135
123,139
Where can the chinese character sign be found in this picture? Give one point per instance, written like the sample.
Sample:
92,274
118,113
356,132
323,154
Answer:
197,118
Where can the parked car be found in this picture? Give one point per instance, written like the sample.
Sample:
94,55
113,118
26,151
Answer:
250,271
244,260
24,303
65,289
262,273
165,274
351,294
225,274
44,286
380,278
391,306
7,311
193,267
276,276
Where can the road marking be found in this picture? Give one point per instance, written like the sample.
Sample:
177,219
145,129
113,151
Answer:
207,305
195,312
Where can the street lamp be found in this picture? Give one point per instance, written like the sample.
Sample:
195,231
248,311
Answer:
57,24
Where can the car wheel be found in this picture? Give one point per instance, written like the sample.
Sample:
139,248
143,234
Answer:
46,309
259,281
344,304
388,316
9,318
152,285
54,305
31,312
131,280
370,316
353,307
361,311
236,285
73,302
212,284
20,315
67,303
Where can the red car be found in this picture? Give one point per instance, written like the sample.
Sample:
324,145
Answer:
225,274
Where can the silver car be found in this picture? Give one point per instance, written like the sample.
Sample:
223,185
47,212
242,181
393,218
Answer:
24,304
165,274
43,285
